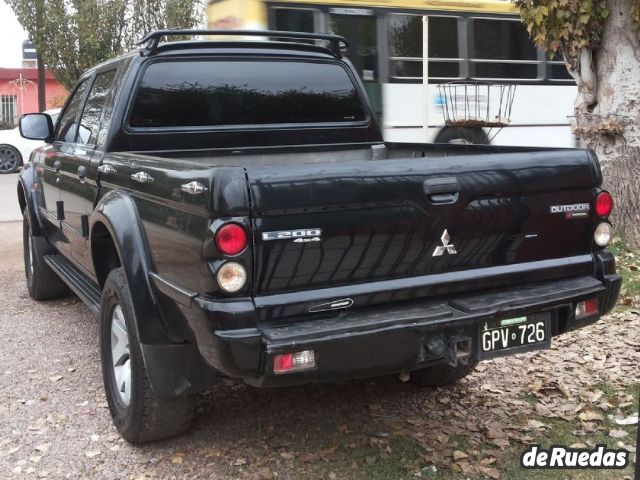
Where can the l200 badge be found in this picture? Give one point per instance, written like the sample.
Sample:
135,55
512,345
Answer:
302,235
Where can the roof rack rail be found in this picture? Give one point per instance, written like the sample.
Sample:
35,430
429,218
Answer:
151,40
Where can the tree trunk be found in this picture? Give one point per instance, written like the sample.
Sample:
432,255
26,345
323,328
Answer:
618,93
42,95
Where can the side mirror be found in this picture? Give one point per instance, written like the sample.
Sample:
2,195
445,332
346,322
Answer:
36,126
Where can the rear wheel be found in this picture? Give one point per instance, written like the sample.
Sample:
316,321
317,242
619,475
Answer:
10,159
42,282
441,375
463,136
138,413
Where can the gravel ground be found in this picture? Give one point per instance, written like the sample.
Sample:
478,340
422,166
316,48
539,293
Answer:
54,421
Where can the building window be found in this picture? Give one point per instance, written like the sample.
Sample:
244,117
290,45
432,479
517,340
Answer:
405,47
8,109
502,49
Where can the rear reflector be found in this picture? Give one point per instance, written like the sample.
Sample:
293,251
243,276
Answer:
294,362
588,308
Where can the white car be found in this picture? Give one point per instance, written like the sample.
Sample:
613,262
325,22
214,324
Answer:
15,150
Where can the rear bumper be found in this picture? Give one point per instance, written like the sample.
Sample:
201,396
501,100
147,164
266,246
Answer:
386,339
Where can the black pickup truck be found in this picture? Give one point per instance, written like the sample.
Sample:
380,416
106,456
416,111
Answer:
230,208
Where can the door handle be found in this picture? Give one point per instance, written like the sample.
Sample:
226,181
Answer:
57,165
442,190
142,177
82,173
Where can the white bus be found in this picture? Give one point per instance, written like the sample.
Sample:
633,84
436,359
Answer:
469,40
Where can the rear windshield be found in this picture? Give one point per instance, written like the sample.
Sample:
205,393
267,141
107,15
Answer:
200,93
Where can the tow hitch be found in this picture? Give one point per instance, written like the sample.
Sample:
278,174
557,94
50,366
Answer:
455,349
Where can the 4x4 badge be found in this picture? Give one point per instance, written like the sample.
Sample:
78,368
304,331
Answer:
446,246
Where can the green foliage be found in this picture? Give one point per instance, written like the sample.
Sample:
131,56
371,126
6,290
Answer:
73,35
565,26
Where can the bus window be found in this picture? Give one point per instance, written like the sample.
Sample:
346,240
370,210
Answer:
405,47
502,49
293,20
558,71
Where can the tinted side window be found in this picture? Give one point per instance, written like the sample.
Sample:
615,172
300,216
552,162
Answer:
293,20
67,125
503,49
502,40
217,93
90,119
405,46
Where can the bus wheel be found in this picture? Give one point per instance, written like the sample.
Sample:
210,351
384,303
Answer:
462,136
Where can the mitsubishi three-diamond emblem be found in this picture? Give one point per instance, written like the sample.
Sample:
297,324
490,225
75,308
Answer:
446,247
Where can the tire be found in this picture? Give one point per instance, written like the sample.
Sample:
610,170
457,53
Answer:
10,159
138,413
463,136
42,282
442,375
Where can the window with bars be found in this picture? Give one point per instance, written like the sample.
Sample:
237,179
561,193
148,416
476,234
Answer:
8,109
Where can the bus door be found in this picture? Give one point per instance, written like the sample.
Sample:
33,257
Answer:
358,26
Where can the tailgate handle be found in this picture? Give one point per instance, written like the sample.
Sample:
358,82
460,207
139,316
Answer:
442,190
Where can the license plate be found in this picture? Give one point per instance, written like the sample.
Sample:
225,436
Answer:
513,335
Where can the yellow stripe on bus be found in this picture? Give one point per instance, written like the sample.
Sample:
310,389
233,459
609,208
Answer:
504,7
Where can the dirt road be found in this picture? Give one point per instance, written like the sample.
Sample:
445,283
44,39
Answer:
54,422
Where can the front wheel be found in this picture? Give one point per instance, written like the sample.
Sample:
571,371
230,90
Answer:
442,375
10,159
42,282
138,413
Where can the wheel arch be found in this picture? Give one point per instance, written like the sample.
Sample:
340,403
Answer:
29,198
173,365
115,226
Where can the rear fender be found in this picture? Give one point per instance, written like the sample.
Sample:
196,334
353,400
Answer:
118,213
174,367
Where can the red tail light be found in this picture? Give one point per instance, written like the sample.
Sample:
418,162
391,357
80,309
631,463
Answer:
231,239
604,204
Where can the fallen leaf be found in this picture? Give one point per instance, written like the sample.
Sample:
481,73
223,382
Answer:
264,473
590,416
535,424
310,457
490,472
287,455
501,442
618,433
239,462
459,455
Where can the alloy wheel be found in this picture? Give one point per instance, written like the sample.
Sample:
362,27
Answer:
8,159
120,355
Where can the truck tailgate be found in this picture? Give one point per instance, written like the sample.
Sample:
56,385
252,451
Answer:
326,225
